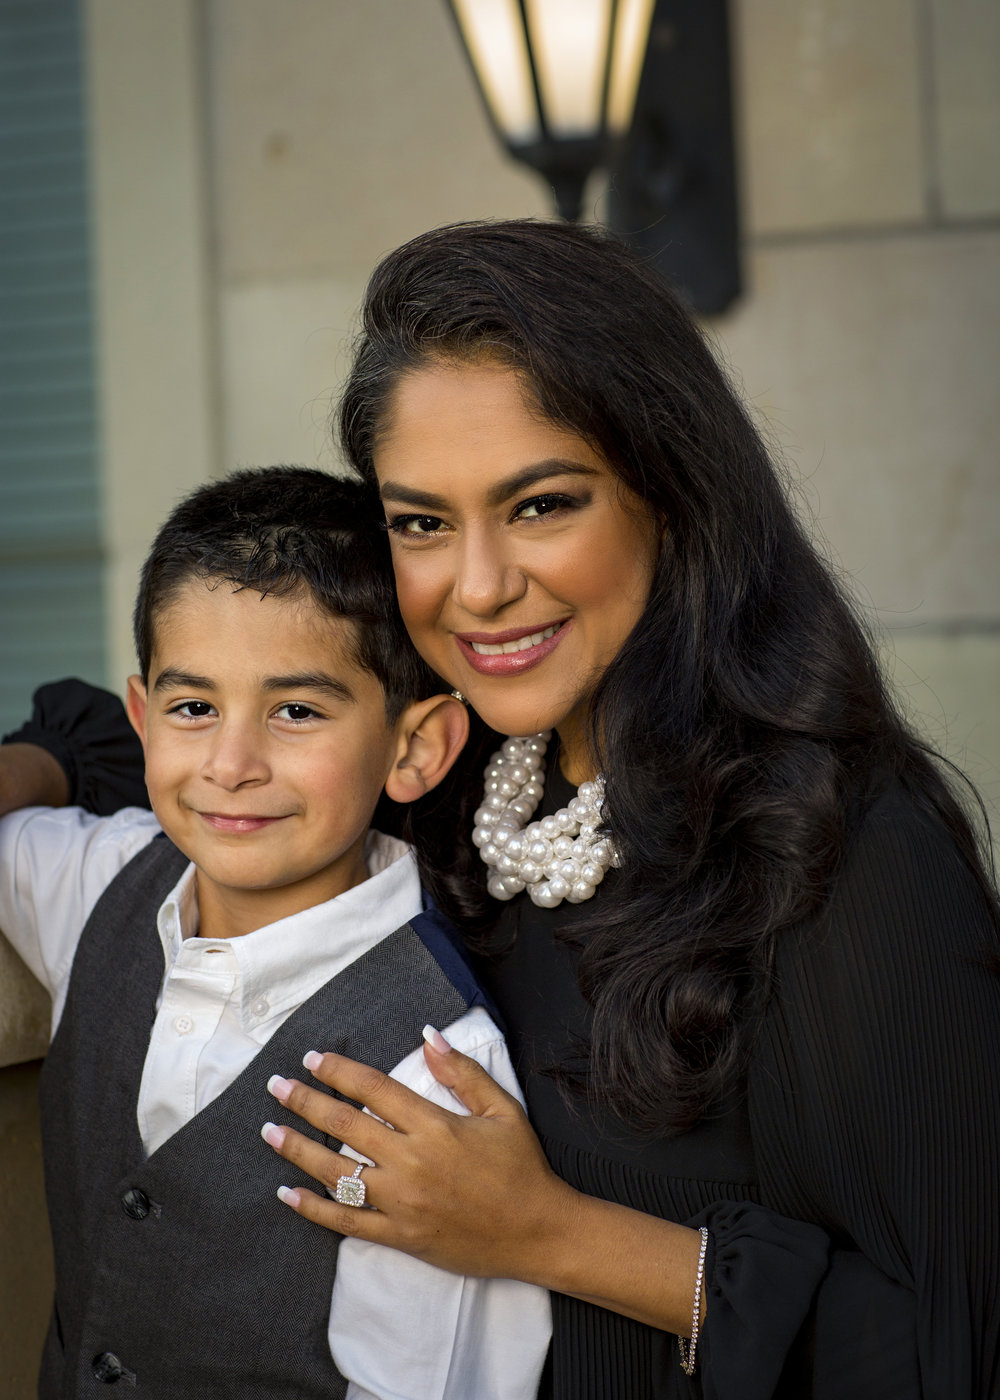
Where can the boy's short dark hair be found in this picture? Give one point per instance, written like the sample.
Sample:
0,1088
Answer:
280,530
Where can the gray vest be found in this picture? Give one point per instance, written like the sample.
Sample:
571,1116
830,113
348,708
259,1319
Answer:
180,1275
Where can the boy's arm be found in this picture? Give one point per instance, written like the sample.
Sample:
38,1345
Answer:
54,866
399,1326
77,747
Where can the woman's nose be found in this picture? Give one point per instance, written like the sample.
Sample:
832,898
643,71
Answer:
488,578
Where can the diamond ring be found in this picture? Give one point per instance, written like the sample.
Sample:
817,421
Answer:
351,1189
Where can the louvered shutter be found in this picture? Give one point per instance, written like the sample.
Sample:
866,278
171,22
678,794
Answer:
50,532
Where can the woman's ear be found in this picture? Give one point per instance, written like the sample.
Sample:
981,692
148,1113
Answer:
432,733
135,707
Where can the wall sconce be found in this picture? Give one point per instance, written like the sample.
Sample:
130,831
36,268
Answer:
637,87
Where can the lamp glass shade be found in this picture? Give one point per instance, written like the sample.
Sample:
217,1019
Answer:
632,22
584,90
569,39
495,38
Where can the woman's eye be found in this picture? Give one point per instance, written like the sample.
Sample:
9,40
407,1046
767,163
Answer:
543,505
193,709
415,524
296,712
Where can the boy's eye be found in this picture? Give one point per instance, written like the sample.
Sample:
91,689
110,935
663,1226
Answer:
414,524
296,712
193,709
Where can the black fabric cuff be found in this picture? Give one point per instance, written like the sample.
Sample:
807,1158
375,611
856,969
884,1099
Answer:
762,1272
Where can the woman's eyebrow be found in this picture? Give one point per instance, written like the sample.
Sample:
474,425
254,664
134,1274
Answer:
502,491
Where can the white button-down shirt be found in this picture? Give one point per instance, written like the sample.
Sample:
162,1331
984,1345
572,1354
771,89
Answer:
399,1329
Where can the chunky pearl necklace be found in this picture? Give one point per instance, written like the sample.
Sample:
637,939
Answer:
560,857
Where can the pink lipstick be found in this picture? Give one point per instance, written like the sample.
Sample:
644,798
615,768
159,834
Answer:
511,652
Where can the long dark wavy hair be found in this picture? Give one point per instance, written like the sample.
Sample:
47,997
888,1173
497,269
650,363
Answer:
744,715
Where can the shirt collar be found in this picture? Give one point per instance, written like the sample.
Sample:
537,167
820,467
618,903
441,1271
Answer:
284,963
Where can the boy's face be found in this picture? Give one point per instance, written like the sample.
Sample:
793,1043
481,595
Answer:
266,746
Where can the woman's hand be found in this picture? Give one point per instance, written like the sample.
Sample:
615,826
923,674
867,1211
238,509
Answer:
475,1195
471,1194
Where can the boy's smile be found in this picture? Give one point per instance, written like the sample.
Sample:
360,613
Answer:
222,822
267,747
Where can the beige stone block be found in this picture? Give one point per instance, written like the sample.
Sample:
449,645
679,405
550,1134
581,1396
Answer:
25,1010
873,364
949,687
285,346
966,49
153,296
340,130
830,113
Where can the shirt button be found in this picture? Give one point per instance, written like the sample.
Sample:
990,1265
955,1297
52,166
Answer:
135,1203
261,1007
183,1024
107,1367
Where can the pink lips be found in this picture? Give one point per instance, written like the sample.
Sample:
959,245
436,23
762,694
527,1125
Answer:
511,663
237,826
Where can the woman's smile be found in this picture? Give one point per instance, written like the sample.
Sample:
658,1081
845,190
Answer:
522,561
512,651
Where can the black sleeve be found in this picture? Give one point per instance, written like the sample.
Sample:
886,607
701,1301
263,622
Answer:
762,1274
87,732
877,1115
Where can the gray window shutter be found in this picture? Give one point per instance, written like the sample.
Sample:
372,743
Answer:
51,620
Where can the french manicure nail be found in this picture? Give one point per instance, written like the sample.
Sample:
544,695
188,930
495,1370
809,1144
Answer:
312,1061
290,1197
273,1135
279,1087
436,1040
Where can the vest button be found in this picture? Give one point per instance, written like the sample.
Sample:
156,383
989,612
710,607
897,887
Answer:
107,1367
135,1203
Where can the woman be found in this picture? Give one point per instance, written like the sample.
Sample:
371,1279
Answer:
757,1020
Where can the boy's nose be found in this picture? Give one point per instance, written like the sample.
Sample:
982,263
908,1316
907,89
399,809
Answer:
236,758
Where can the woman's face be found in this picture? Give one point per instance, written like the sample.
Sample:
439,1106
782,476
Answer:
522,562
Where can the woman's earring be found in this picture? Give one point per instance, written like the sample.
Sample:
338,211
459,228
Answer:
457,695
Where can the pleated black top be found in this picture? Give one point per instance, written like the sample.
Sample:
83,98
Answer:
851,1182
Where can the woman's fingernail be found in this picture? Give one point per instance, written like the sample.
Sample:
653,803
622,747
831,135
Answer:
273,1135
312,1061
436,1041
290,1197
279,1087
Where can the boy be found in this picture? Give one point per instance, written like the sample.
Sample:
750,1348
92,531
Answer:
277,696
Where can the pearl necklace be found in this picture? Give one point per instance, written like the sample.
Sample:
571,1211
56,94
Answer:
560,857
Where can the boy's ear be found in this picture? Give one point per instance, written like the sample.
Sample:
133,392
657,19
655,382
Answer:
432,733
135,707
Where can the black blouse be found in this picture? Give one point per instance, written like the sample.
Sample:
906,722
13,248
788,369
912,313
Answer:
851,1181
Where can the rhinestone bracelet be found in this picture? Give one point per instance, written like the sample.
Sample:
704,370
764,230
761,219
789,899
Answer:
687,1349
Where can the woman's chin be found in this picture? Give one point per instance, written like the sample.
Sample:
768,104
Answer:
520,717
518,724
